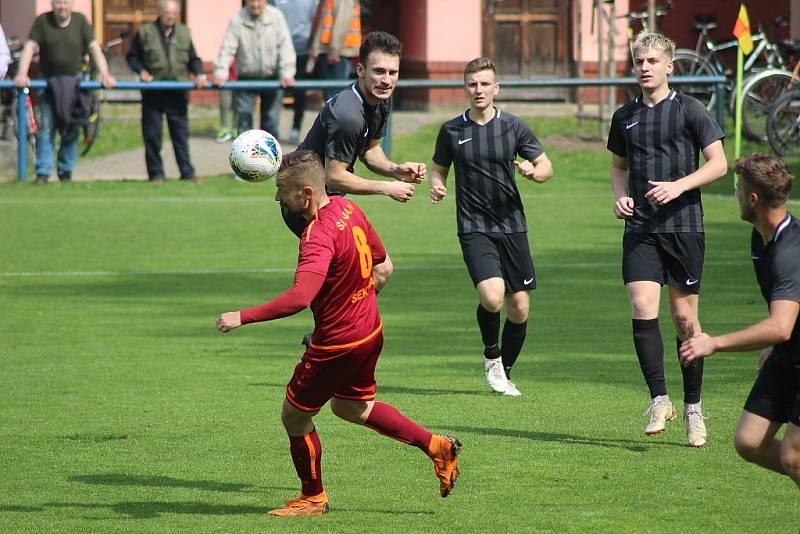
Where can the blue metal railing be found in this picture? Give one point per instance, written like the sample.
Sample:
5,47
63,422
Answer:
22,112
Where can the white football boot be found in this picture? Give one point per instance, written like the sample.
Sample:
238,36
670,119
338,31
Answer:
495,375
660,411
695,425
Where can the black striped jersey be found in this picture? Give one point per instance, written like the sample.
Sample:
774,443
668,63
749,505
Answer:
344,127
663,144
777,266
487,198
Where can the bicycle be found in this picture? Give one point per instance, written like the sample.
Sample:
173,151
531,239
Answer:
783,125
91,128
760,90
8,104
783,120
687,62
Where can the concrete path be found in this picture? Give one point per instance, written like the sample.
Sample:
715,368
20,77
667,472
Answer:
210,158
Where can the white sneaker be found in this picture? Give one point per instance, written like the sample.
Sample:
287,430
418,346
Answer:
695,425
294,136
495,375
512,390
660,411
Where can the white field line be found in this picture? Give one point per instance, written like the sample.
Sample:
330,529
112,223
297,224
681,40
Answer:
54,274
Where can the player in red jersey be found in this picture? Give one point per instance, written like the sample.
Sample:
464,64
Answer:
338,248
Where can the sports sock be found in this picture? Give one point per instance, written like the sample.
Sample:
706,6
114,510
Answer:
387,420
513,338
650,352
307,457
692,378
489,324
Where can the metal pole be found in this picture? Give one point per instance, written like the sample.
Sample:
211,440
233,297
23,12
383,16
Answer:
719,99
22,135
386,143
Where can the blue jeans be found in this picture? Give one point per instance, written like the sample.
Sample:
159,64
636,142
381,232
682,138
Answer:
337,71
45,141
244,102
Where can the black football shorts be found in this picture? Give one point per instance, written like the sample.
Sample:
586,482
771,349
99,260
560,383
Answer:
674,259
776,392
506,256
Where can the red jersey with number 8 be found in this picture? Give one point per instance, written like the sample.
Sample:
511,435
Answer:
340,244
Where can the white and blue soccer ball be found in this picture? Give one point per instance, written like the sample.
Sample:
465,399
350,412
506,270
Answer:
255,156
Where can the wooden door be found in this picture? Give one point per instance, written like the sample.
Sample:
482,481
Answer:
122,19
528,39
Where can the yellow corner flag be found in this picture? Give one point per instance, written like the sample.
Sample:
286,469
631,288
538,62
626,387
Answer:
742,31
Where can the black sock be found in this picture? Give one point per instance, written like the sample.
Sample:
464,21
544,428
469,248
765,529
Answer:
489,324
513,338
650,351
692,378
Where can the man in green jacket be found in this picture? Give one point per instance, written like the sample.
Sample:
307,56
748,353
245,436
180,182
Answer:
163,50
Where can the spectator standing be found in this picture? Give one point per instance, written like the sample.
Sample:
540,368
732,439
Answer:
62,38
336,40
299,15
227,117
163,50
259,39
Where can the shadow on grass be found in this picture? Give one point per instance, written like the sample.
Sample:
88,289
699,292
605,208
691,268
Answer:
569,439
120,479
151,510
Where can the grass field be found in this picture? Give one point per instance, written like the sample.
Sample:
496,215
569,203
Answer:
122,409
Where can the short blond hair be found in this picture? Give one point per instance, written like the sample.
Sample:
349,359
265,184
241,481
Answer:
654,41
302,168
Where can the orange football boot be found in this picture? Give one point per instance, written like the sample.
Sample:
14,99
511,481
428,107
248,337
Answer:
443,450
303,505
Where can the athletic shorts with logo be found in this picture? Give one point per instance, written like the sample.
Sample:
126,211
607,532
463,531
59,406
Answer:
347,373
675,259
776,392
506,256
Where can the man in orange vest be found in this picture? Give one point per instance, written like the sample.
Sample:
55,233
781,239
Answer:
336,39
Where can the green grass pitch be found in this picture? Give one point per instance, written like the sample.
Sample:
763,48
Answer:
122,409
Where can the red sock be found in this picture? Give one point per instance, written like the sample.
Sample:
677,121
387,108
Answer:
387,420
307,457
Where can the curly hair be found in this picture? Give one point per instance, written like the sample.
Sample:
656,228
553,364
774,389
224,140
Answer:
766,175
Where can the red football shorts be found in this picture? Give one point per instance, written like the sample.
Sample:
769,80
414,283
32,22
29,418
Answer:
346,374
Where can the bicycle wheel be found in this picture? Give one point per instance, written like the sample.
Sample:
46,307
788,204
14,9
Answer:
783,125
91,129
686,62
758,94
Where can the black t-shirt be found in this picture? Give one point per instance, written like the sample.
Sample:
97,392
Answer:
345,126
487,198
777,266
663,144
61,50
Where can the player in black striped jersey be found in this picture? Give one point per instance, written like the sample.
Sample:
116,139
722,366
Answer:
774,400
483,144
656,141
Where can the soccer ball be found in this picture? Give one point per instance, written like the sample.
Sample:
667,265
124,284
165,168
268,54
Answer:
255,156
